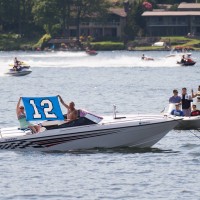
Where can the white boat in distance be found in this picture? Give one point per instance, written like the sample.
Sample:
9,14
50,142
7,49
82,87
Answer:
87,133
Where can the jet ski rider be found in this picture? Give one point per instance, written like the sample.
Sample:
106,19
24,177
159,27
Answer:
17,63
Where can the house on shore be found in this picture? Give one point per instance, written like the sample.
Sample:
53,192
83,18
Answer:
112,26
184,21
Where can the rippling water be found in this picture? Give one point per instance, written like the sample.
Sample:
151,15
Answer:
169,170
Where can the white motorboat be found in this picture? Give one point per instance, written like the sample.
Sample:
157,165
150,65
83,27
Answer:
188,123
90,132
21,72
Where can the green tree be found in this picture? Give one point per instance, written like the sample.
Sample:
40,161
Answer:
8,15
46,15
64,7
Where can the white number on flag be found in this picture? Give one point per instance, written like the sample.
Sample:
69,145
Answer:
37,114
48,109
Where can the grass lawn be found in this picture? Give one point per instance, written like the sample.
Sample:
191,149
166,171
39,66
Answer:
183,41
10,42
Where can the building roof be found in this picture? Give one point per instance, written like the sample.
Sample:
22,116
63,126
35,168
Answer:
118,11
164,6
170,13
189,6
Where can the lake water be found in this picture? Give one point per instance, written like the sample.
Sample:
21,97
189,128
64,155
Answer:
168,170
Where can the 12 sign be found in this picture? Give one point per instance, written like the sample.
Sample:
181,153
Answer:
42,108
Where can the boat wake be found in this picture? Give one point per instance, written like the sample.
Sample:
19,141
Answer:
81,59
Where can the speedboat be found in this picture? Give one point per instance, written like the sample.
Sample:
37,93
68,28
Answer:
187,63
178,54
146,58
21,72
91,52
90,131
188,123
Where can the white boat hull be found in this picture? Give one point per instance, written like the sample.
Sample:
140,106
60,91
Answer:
23,72
189,123
130,132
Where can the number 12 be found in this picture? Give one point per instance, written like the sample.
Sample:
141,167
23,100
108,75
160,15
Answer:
48,109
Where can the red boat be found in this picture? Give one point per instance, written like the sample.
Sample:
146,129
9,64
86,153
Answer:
91,52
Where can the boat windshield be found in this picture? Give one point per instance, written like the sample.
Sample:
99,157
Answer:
90,116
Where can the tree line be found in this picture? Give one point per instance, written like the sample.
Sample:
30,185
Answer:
29,18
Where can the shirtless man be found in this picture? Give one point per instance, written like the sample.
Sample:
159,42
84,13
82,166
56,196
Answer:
72,113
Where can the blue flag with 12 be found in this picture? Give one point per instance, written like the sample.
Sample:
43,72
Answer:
42,108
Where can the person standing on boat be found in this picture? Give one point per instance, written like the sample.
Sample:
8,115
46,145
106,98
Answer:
197,94
175,98
177,111
72,113
195,112
186,100
21,116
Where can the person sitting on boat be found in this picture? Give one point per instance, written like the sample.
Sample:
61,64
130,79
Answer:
183,60
24,124
72,113
197,96
146,58
177,111
195,112
186,100
17,63
143,57
175,98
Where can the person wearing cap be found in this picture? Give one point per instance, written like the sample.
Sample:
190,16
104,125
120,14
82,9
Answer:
175,98
177,111
21,116
195,112
186,100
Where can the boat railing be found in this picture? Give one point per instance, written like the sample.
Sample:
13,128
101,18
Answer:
137,118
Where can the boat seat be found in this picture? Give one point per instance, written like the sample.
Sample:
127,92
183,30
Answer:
81,121
6,133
